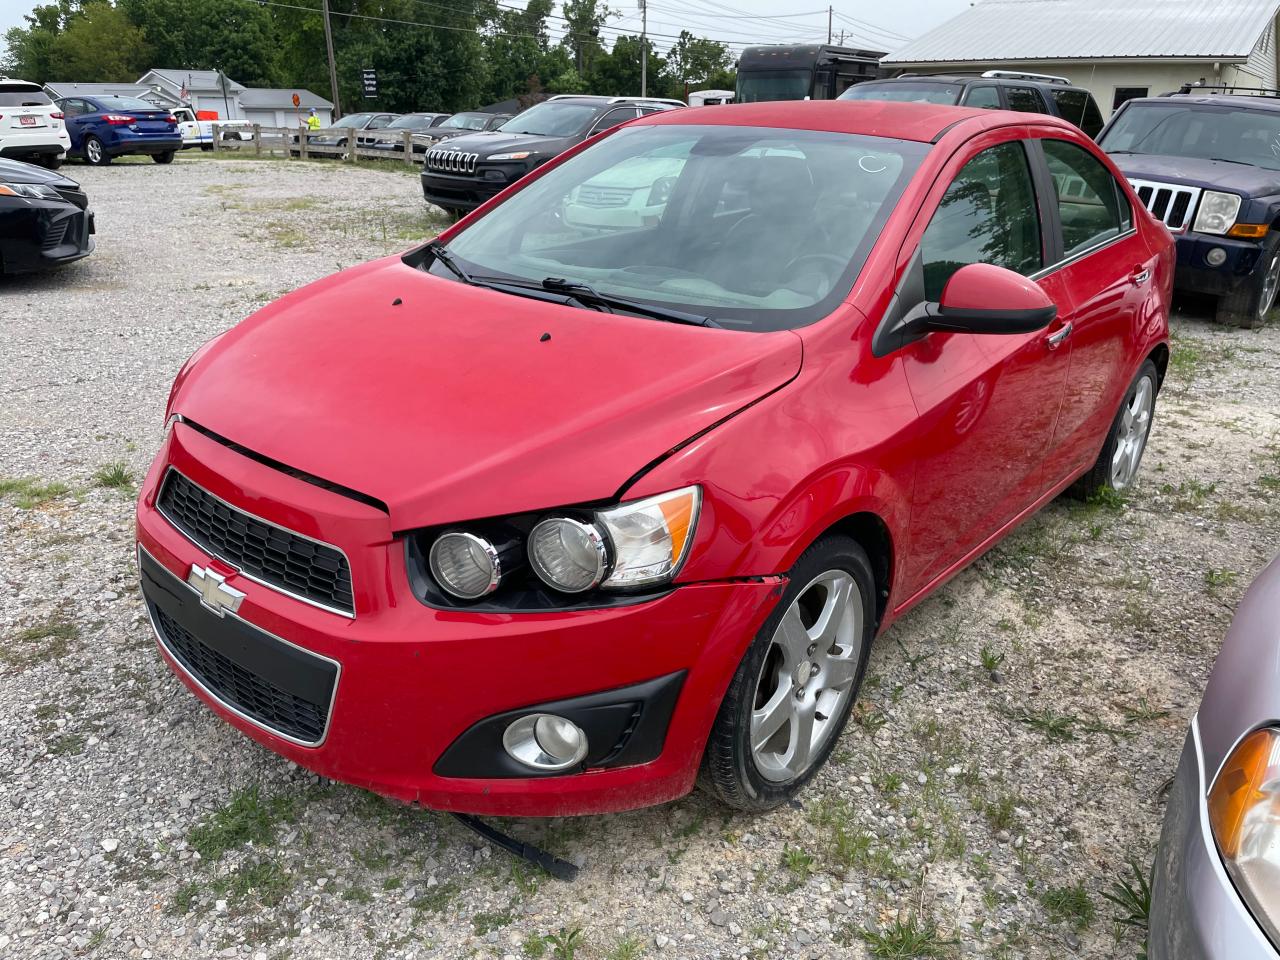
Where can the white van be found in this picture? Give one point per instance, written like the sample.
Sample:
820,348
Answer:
31,127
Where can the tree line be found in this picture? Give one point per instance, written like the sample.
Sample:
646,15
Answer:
440,55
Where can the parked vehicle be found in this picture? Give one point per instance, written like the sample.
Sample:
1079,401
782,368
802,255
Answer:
475,121
337,134
1206,162
803,72
105,127
655,491
422,125
30,125
993,90
1212,894
44,218
463,172
710,98
195,132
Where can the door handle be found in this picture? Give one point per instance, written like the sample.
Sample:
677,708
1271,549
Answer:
1140,277
1057,339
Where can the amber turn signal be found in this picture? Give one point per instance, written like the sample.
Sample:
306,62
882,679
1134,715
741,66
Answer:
1248,231
1238,788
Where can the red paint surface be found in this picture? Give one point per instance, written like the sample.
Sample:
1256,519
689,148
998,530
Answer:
449,407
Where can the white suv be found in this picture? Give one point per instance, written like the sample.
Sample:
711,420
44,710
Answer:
31,127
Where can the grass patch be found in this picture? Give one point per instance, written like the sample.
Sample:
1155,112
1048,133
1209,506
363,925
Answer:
565,943
1215,580
54,639
436,899
115,476
799,862
184,898
247,818
628,948
1069,905
912,937
1131,896
264,882
31,492
487,921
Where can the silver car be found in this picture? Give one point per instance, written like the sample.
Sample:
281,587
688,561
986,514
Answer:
1216,884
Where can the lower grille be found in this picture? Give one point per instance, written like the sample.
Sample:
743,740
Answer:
604,196
56,236
1172,204
246,691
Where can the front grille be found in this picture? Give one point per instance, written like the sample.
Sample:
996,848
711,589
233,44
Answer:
452,161
272,555
603,196
247,692
1172,204
56,235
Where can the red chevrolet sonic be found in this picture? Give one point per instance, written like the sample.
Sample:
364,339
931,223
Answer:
611,487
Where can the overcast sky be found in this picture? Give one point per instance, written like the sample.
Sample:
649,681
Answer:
737,23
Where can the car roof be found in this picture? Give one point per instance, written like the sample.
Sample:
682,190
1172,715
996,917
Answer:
921,122
23,85
1012,81
1230,99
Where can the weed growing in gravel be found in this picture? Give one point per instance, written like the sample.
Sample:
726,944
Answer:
534,946
991,659
799,862
628,948
1133,897
184,899
1215,580
903,939
31,492
869,717
1069,905
1189,495
265,882
70,744
486,921
999,812
247,818
437,898
115,475
57,633
1143,711
564,944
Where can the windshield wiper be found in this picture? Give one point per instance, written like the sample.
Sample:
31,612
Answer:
445,257
586,292
1243,163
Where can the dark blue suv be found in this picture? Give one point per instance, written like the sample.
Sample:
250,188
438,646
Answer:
108,126
1206,162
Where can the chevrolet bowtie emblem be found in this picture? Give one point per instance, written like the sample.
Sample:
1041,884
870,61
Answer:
213,590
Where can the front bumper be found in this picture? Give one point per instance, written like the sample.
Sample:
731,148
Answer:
411,680
459,192
1196,913
1195,275
37,234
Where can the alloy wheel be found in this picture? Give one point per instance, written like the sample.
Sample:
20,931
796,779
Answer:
1270,286
93,151
1131,437
807,676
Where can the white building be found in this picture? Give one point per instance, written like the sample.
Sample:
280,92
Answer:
274,107
1117,49
207,90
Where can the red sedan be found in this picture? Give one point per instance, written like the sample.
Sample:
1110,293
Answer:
617,481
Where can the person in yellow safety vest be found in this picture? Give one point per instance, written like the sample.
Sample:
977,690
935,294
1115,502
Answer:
313,122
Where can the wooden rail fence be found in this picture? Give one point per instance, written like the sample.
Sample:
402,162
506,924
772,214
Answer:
298,142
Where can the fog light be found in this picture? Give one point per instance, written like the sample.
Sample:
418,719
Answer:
1216,257
546,742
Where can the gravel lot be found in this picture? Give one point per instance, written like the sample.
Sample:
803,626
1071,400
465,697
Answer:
1008,756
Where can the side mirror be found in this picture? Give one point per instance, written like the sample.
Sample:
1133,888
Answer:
983,298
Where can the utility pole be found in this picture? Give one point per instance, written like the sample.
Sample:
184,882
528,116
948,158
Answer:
333,69
644,48
829,12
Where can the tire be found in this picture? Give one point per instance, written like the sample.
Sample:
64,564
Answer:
1114,470
95,154
206,147
166,157
1250,305
767,684
50,161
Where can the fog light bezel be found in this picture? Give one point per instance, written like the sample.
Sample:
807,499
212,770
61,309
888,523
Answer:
1216,257
521,742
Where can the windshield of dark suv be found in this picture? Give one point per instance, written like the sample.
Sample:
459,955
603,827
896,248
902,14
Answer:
553,119
1200,131
906,91
755,228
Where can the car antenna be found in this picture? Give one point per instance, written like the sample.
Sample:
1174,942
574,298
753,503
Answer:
560,869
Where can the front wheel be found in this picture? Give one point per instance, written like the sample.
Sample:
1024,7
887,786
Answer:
166,157
793,691
1117,465
95,153
1250,305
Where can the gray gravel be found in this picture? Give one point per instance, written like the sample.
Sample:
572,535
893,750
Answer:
1013,740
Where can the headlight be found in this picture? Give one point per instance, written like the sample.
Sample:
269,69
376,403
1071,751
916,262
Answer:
660,192
650,538
1244,813
1217,212
568,555
466,565
518,155
29,191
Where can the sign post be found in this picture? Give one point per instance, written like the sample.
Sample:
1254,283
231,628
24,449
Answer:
369,79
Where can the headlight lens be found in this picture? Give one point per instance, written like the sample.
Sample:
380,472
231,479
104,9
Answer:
29,191
567,554
1217,212
1244,814
650,538
465,565
518,155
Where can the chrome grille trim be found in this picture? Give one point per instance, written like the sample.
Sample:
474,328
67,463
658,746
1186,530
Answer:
444,160
1173,204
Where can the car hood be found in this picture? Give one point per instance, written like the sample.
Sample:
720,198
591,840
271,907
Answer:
14,171
1246,180
449,402
488,142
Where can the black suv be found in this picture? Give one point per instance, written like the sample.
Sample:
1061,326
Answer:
463,172
1206,162
993,90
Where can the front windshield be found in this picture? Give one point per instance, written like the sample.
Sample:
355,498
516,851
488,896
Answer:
552,119
1203,131
466,121
757,228
905,92
758,85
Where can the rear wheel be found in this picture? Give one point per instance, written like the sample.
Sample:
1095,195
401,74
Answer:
1117,465
1250,305
166,157
51,161
95,153
793,691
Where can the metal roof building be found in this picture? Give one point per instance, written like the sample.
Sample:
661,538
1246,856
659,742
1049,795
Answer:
1116,48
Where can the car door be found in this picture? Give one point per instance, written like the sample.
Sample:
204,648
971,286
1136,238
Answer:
987,404
73,112
1110,271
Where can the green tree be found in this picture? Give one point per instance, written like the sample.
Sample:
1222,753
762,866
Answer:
617,74
99,45
239,38
700,63
583,20
29,50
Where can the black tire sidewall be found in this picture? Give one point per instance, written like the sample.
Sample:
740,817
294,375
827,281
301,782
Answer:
753,791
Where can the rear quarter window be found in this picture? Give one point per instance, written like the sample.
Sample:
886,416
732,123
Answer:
1078,107
1025,99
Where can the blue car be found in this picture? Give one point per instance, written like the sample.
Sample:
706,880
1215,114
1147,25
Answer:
106,127
1206,163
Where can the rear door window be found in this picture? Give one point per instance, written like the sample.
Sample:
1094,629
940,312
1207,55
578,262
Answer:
1025,100
984,97
615,117
1077,106
1091,205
